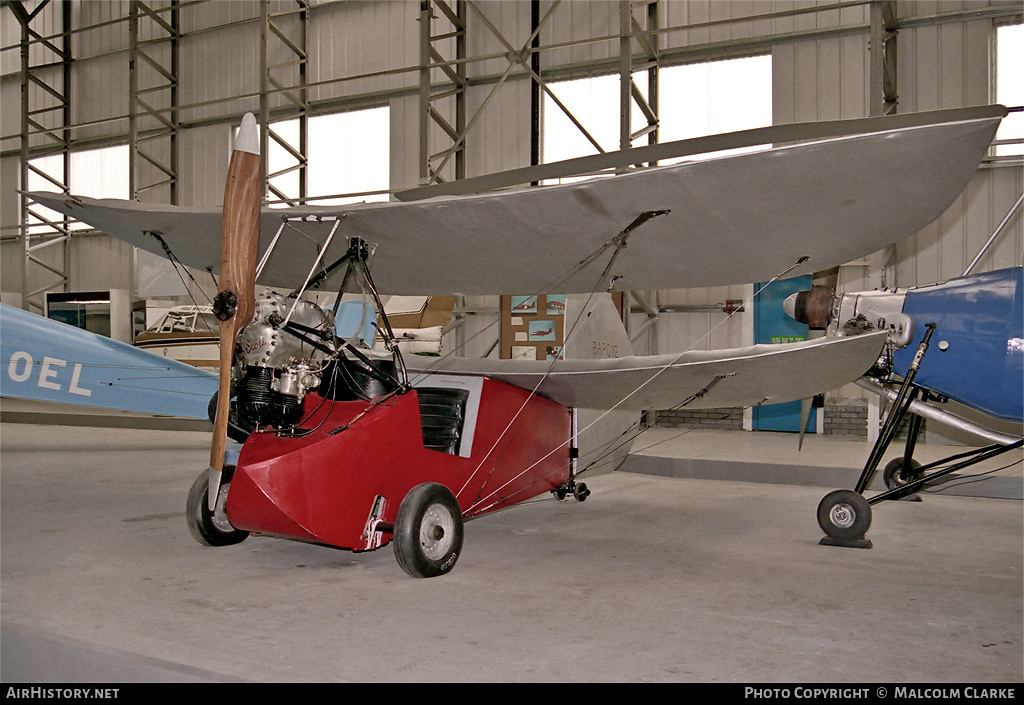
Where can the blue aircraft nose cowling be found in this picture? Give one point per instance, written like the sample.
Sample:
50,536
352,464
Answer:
976,355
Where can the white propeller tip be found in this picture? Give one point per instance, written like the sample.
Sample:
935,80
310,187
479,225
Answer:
247,139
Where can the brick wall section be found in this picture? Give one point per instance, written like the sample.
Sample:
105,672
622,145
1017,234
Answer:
846,418
849,418
725,419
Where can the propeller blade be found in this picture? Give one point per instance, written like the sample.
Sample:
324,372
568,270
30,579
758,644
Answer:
235,300
805,414
807,404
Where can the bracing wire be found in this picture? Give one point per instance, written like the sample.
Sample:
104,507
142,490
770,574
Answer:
618,242
179,268
639,387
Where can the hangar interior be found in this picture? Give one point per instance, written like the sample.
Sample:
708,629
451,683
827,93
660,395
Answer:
363,100
139,99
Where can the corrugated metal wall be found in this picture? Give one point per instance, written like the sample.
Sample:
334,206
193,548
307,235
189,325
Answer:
820,71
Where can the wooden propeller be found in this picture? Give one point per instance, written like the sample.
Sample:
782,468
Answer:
235,300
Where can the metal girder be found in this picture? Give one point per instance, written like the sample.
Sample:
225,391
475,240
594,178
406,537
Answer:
639,23
883,30
284,63
153,122
440,32
45,121
643,30
882,95
526,57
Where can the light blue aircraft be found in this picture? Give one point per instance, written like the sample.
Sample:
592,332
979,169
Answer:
50,361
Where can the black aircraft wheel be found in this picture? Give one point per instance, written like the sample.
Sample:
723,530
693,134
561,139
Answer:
895,475
844,515
428,531
581,491
210,528
238,428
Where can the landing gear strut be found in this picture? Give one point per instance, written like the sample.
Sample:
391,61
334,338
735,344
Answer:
845,515
579,490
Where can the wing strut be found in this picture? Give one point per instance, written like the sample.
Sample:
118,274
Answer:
606,282
356,258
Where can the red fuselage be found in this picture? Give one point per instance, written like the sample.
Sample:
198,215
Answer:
341,482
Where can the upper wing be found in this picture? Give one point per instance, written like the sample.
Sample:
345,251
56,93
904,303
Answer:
758,374
733,219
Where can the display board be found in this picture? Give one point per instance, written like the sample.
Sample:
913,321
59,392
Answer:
532,326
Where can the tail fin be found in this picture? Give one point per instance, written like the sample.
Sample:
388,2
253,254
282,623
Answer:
594,329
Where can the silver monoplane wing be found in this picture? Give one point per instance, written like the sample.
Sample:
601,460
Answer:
731,219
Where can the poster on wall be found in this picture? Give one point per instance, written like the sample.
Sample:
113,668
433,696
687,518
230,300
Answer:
524,305
556,304
524,352
532,326
542,330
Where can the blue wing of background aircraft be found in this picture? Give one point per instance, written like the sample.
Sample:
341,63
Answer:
46,360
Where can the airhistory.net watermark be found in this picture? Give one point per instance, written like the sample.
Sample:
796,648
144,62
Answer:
52,693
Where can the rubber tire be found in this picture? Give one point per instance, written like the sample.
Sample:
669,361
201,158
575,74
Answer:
238,429
844,515
894,476
581,492
423,547
201,521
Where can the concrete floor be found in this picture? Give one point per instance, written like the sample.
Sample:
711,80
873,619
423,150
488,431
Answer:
654,578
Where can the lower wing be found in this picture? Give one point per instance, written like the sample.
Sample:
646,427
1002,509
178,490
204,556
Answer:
767,374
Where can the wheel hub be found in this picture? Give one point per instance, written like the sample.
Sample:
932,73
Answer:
842,515
220,514
436,532
904,477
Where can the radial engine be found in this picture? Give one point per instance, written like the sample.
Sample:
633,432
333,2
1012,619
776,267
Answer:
279,356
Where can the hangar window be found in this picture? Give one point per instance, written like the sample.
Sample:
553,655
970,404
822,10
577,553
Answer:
594,103
694,100
1009,87
96,173
715,97
348,157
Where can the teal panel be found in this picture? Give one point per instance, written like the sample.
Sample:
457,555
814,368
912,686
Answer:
772,325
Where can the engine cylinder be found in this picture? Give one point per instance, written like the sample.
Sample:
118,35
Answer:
259,405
